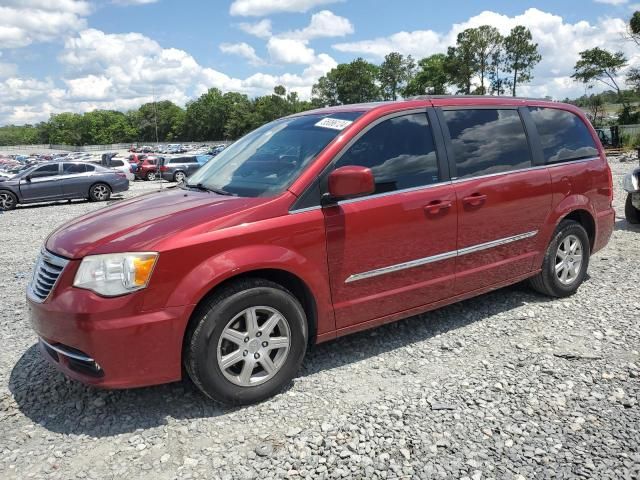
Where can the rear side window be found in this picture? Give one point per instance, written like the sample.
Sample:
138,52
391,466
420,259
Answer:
91,168
400,152
71,168
563,135
117,163
487,141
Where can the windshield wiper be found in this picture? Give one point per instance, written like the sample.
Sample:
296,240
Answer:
204,188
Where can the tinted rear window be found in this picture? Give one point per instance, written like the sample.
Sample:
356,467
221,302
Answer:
71,168
487,141
563,135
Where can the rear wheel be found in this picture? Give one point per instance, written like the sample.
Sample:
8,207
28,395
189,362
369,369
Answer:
246,342
566,261
151,176
8,200
179,177
631,213
100,192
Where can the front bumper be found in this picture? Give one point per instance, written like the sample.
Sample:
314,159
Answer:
109,342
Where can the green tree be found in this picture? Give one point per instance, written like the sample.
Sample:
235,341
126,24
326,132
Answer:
101,127
462,63
487,44
348,83
205,117
395,73
521,56
170,121
599,65
430,78
633,28
65,129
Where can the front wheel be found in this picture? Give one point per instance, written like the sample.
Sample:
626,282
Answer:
100,193
631,213
246,342
8,200
566,261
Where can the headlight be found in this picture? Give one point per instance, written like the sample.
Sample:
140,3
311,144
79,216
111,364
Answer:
630,183
116,273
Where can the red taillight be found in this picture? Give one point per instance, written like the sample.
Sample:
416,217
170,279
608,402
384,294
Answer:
120,174
610,184
163,168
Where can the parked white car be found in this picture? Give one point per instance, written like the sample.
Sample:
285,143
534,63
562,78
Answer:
123,166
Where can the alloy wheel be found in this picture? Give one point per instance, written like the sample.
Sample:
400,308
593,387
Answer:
180,177
568,263
254,346
6,201
151,176
101,192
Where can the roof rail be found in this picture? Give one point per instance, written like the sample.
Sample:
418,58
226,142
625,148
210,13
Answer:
432,97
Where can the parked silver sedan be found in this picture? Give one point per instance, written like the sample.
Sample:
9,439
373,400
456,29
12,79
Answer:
61,181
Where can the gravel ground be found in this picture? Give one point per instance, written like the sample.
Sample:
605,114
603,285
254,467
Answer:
510,385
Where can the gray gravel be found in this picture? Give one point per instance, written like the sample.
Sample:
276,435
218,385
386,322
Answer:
510,385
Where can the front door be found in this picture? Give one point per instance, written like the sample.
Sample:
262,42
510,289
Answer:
502,198
42,184
395,249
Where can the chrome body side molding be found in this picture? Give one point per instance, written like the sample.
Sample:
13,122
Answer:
439,257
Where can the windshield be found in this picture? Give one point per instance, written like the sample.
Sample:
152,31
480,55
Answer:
267,160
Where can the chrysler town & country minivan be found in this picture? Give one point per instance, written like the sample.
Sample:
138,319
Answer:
318,225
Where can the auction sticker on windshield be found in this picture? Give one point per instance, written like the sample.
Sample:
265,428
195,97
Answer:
334,123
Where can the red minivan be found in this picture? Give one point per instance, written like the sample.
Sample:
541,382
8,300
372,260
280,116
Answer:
318,225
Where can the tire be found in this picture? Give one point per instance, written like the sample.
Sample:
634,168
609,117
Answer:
550,283
151,176
631,213
100,192
179,177
205,345
8,200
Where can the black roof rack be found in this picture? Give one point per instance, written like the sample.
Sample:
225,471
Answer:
493,97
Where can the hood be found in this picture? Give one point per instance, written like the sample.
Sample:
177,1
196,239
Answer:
141,223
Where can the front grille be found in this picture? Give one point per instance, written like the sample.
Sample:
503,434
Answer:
45,275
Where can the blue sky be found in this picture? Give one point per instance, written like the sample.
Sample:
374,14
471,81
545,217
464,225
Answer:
77,55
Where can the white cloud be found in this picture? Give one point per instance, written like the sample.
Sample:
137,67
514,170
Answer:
123,71
133,2
243,50
289,50
559,43
260,8
261,29
612,2
323,24
23,22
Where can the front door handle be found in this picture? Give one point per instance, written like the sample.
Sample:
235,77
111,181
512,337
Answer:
475,200
437,206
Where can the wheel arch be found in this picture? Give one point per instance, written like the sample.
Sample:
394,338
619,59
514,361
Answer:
584,218
298,288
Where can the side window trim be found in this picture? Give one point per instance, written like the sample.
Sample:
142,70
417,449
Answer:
453,169
535,145
320,185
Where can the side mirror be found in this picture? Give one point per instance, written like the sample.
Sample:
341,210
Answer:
349,182
28,178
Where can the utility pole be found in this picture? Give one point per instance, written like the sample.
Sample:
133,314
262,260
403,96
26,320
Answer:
155,113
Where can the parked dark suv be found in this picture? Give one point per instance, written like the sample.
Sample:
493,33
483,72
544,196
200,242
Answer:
318,225
61,181
177,169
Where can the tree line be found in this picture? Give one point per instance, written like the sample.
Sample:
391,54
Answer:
482,62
